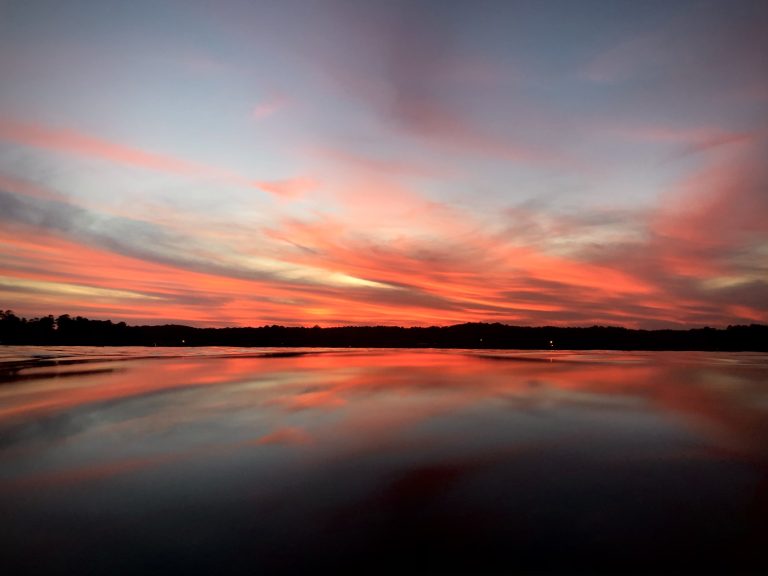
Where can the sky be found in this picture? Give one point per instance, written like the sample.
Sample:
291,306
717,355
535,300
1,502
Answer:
242,163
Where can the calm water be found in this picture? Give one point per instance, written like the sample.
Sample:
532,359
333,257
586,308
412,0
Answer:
223,460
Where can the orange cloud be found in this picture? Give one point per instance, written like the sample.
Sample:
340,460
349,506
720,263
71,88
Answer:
286,435
288,188
401,259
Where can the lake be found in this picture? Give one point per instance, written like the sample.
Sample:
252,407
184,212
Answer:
284,461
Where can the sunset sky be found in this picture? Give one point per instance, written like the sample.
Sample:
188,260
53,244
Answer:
412,163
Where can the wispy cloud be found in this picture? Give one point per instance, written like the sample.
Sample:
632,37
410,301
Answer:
446,164
268,107
427,87
291,188
72,142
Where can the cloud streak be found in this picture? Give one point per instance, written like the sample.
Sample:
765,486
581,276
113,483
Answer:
72,142
268,107
442,164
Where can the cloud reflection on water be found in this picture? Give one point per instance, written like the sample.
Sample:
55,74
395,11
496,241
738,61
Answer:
450,446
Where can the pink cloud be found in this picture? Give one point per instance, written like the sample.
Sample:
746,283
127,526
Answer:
268,108
704,240
290,188
78,143
442,265
72,142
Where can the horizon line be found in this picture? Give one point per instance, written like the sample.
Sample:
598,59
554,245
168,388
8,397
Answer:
400,326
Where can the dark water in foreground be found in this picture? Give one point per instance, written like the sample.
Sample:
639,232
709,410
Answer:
386,461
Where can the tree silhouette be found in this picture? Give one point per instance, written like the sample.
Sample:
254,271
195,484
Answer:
66,330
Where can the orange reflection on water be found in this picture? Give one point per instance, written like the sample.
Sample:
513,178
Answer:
370,396
395,450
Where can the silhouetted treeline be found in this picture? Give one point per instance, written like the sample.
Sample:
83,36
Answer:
66,330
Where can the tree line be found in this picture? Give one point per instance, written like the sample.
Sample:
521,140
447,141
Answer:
68,330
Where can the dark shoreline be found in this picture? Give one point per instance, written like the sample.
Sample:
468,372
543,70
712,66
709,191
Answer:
68,331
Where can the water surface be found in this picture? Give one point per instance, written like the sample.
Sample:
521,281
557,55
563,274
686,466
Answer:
223,460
